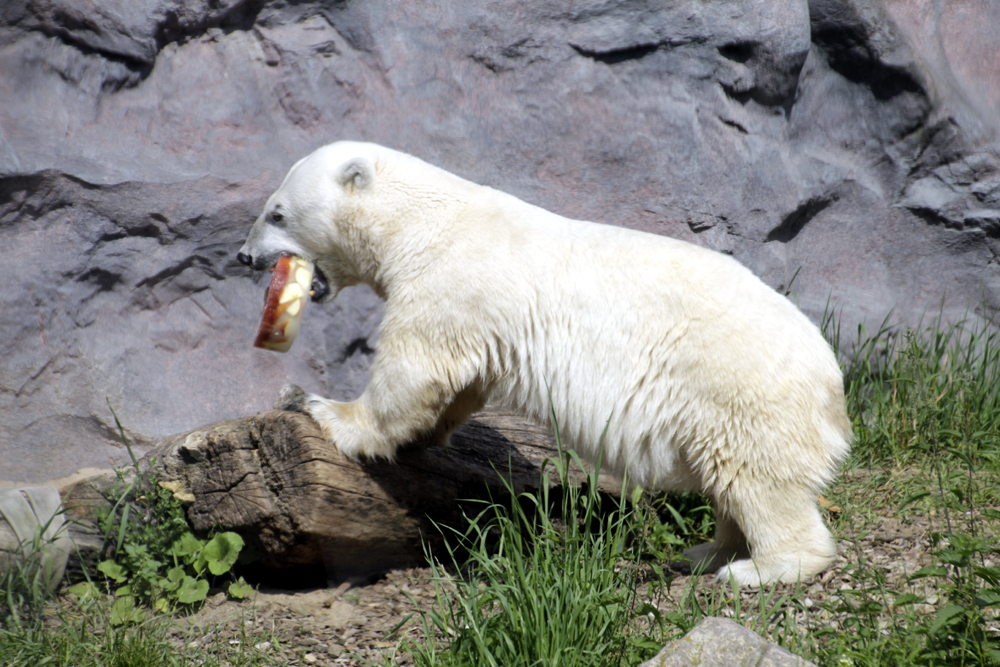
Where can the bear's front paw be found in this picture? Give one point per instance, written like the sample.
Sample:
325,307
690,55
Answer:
291,398
361,451
351,451
339,422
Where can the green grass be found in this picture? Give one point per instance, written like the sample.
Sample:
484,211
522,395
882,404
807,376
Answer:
926,413
925,405
538,591
574,578
100,623
930,394
72,632
34,631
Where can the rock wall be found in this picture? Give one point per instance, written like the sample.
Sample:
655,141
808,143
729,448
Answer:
848,143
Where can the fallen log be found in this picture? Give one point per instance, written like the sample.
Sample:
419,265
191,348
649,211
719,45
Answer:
297,501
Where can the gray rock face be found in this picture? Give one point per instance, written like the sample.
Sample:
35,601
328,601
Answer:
839,141
718,642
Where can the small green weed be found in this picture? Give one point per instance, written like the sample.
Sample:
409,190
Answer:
87,628
81,634
959,631
33,632
157,559
680,520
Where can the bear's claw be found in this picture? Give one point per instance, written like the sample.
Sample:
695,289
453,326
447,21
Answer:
292,398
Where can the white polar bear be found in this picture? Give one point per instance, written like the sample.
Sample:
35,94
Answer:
712,380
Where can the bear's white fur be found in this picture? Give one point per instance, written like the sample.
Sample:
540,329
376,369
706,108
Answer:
711,379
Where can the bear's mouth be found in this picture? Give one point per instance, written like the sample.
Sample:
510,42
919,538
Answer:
320,285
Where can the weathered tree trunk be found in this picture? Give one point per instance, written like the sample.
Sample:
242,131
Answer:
276,481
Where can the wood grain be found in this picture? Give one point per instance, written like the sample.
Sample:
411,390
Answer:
296,500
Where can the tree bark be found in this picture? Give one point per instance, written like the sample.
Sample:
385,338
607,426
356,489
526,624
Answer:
297,501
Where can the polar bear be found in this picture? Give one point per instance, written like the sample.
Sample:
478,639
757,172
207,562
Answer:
692,372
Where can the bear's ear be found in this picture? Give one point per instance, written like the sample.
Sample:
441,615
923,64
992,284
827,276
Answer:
358,172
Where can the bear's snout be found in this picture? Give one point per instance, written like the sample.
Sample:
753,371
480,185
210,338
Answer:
256,263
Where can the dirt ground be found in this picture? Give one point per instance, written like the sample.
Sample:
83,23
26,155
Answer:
351,625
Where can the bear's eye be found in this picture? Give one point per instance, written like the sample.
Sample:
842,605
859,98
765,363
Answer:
277,217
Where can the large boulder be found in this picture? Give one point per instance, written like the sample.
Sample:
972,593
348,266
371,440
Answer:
842,142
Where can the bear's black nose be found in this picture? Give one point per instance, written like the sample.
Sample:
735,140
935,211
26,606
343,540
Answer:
244,258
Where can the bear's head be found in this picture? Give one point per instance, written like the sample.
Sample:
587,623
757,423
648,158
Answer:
311,216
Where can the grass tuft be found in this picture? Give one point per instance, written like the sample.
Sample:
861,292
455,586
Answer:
928,392
550,580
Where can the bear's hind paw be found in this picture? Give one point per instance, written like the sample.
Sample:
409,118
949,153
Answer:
747,573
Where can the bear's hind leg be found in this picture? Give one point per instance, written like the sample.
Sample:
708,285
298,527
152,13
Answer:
466,402
785,532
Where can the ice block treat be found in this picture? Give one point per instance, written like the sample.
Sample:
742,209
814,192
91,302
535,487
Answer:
284,303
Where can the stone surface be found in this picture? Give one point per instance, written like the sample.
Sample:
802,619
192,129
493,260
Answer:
848,143
719,642
33,535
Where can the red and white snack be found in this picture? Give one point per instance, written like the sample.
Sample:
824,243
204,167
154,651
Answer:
284,303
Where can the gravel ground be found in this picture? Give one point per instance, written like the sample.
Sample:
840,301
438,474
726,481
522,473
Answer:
350,625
